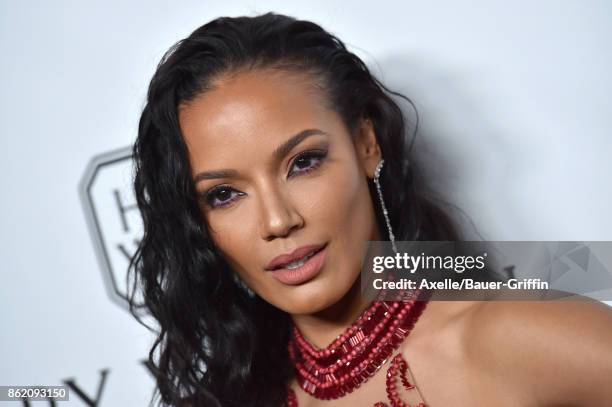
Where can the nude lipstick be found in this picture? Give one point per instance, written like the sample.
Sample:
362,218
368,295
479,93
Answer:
299,266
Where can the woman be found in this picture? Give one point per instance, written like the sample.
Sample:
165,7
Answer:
266,155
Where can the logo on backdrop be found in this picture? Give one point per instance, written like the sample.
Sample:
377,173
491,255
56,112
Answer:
112,216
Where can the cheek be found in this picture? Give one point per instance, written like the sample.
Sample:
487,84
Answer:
343,207
232,235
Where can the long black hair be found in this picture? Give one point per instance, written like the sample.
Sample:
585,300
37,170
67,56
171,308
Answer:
215,344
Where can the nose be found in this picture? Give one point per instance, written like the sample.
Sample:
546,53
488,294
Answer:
279,215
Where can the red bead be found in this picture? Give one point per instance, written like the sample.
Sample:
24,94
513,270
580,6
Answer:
361,351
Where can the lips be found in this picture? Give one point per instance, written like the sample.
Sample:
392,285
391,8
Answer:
303,271
297,254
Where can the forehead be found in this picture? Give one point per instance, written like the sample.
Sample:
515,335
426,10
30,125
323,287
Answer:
251,108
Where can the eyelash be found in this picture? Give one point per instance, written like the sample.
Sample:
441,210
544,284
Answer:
209,196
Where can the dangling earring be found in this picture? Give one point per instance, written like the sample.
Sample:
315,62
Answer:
382,202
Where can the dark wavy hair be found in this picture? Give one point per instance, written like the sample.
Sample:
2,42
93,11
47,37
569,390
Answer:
215,344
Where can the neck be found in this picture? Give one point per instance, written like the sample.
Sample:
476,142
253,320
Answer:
321,328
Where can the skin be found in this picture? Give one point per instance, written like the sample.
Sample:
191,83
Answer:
276,205
461,353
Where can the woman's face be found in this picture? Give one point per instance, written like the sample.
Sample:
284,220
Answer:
265,193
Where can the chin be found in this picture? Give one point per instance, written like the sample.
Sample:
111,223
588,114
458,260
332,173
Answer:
310,298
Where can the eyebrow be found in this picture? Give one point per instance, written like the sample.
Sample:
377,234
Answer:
278,153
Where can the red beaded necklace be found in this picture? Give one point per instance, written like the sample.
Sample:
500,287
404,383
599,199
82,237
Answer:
356,354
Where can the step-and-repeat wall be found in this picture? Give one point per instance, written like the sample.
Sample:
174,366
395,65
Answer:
514,105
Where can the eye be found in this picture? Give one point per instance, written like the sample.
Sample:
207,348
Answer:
308,161
220,196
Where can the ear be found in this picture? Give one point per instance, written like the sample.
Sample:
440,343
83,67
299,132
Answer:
367,148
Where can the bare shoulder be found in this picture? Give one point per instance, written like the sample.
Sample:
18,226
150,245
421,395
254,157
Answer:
556,351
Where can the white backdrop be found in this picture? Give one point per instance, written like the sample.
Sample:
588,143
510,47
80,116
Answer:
515,105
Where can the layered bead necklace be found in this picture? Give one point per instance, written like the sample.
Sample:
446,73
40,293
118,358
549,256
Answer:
358,353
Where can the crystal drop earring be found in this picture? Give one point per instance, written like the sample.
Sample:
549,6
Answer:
382,202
